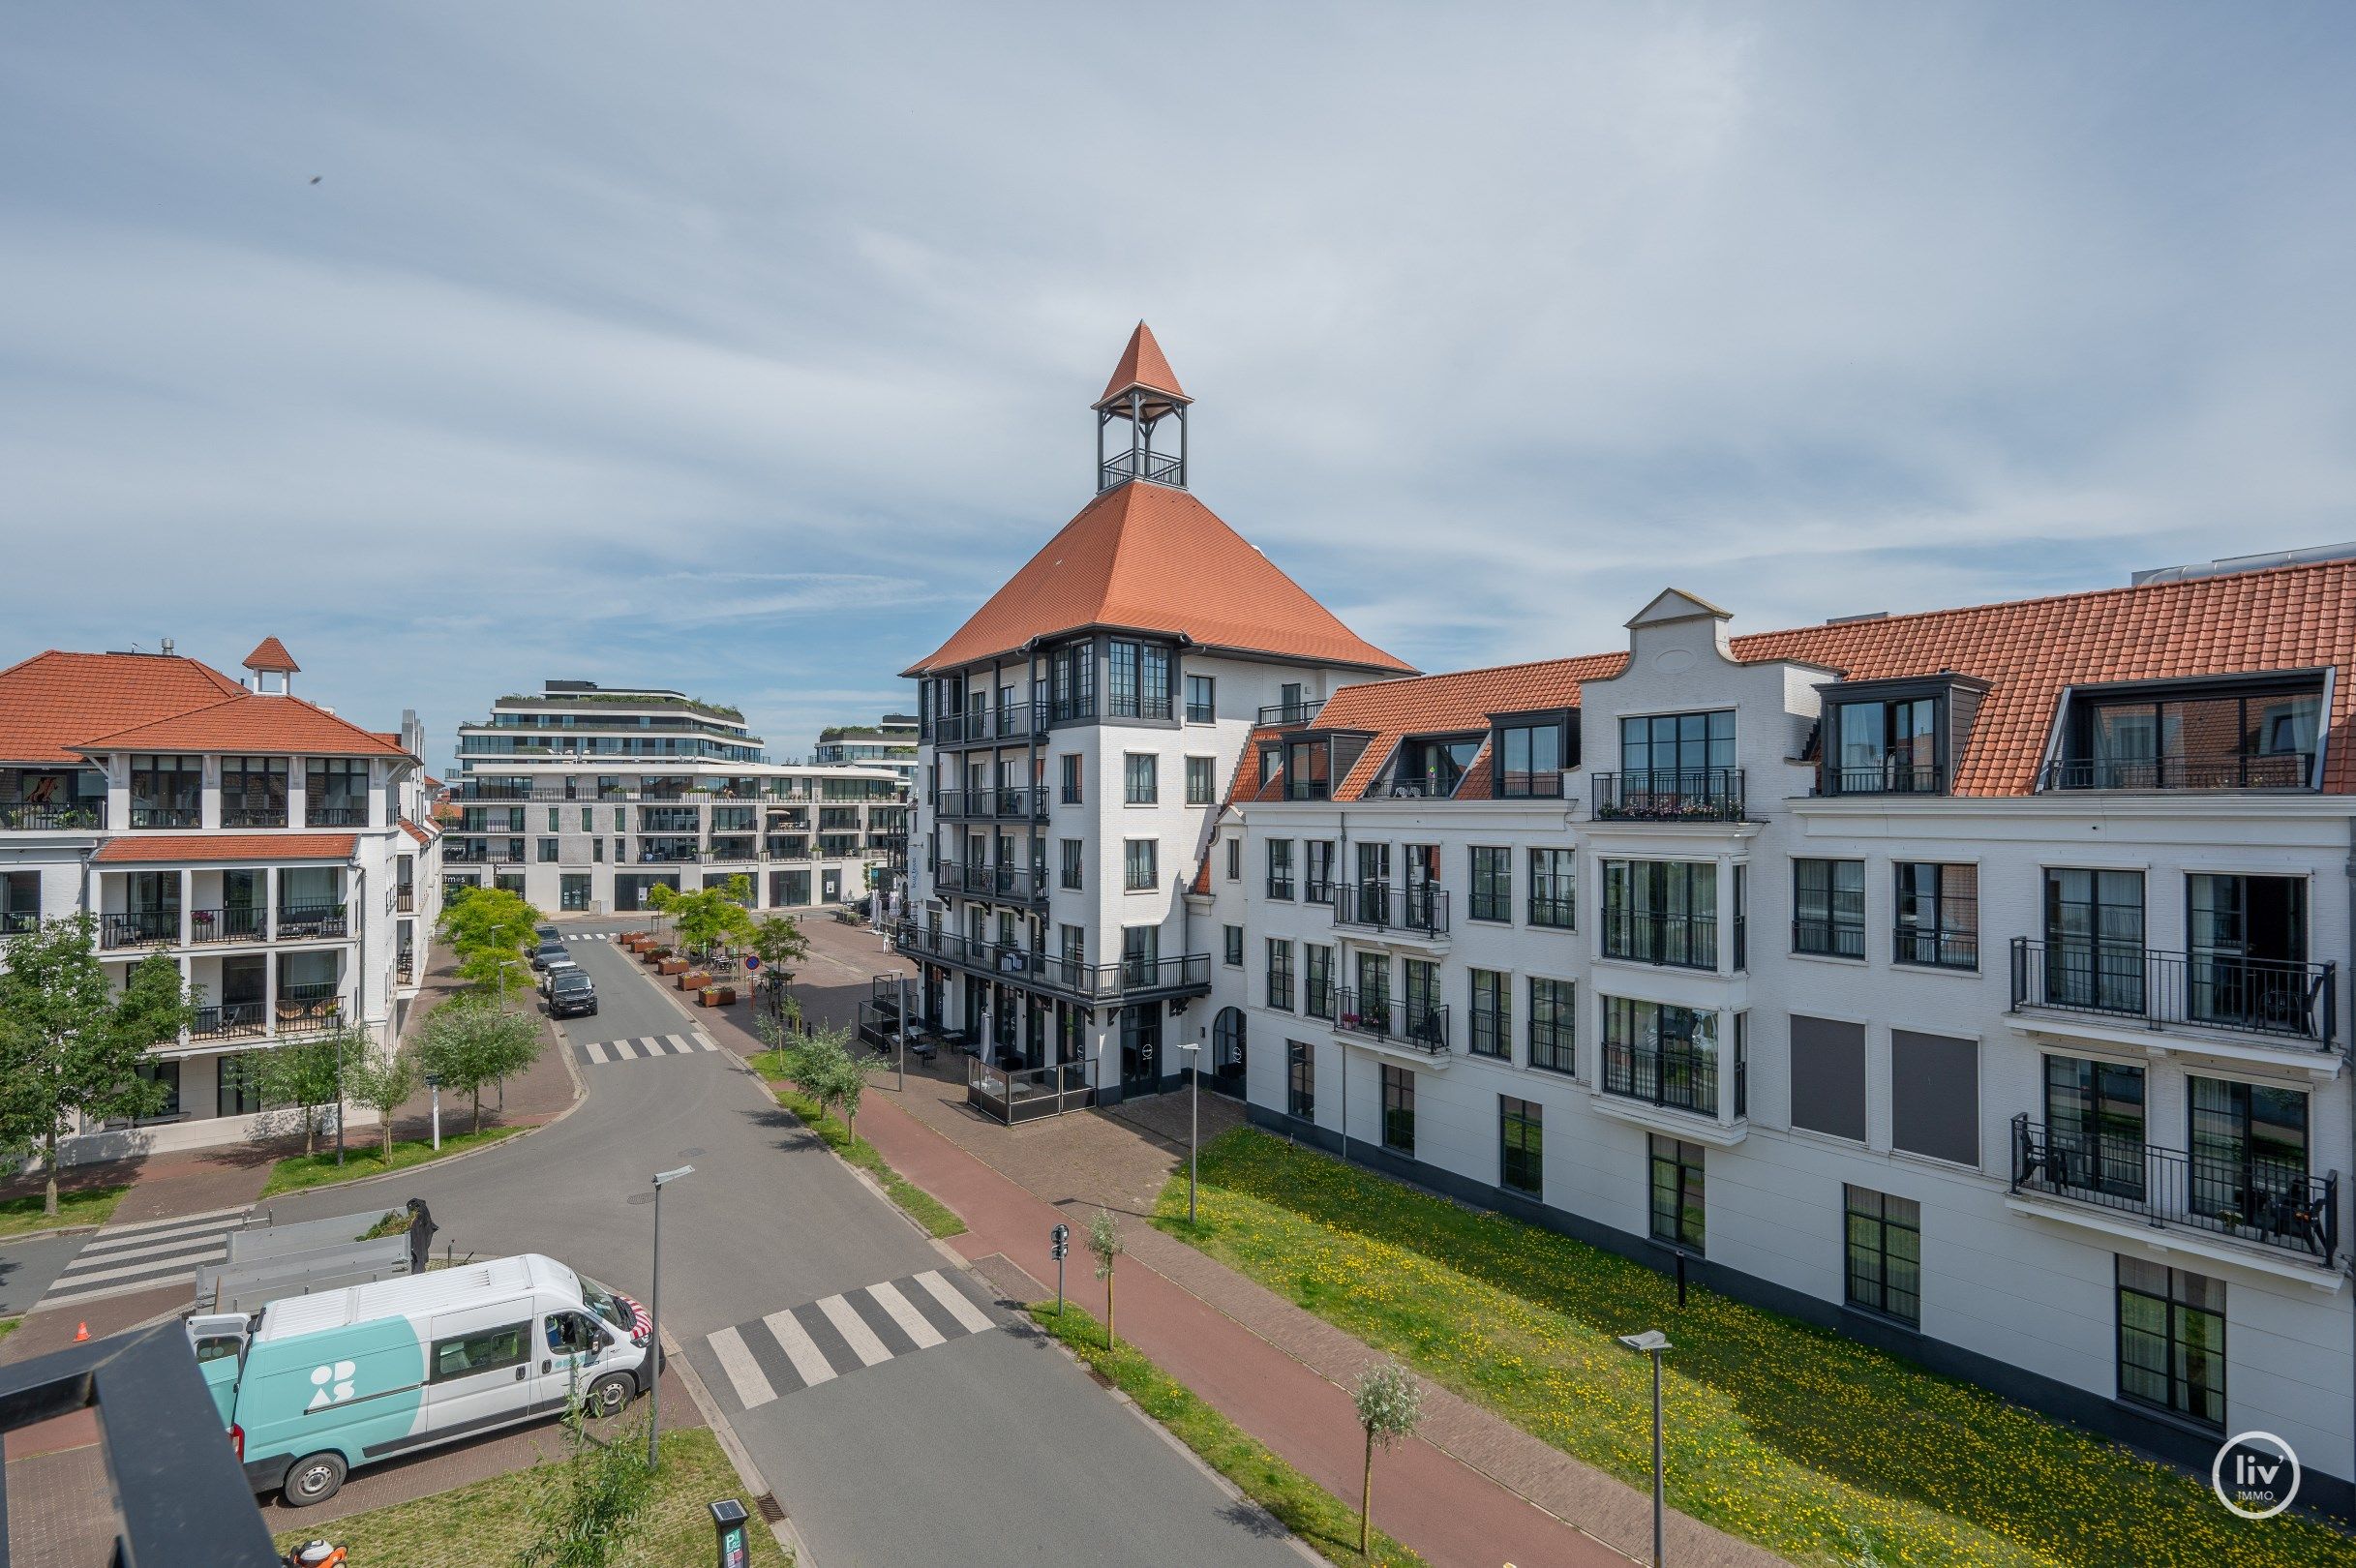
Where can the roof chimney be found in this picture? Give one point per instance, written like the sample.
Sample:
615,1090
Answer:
167,648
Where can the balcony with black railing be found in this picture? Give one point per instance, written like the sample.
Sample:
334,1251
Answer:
1889,776
230,1020
2269,1203
2216,771
251,817
404,967
312,922
1145,707
1386,906
19,921
1670,794
138,928
1010,884
1828,939
1023,803
2295,1003
1130,979
1304,710
1656,937
79,814
1677,1077
163,816
335,814
1159,467
1385,1020
250,924
309,1008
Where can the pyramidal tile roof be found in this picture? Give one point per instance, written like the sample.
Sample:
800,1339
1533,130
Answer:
1148,558
271,655
1461,700
53,700
1141,365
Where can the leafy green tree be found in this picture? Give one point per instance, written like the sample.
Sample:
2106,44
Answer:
308,1074
488,930
68,1047
706,917
1390,1404
591,1508
1104,1245
382,1081
776,940
659,898
471,1041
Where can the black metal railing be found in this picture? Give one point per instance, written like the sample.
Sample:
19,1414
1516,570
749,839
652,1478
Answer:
1889,776
303,922
309,1007
1679,1077
52,816
1828,939
20,921
150,816
2270,1202
138,928
1139,708
1017,721
1930,946
1516,785
1303,711
2223,770
1670,794
1093,983
2266,995
1553,902
228,1020
334,816
1011,882
253,816
1655,937
1159,467
1380,1016
1381,906
228,925
1414,789
964,803
1026,1094
1022,801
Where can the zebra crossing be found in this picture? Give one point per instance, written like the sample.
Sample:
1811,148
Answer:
588,936
601,1052
818,1342
121,1259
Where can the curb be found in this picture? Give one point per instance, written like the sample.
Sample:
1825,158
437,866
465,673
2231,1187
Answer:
787,1533
48,1235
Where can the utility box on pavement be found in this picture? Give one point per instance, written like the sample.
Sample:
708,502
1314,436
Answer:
728,1519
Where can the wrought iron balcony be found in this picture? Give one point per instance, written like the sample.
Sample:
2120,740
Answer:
1654,937
138,928
228,925
1378,906
154,816
230,1020
1276,716
1009,883
303,1009
1159,468
2265,996
2265,1201
309,922
1088,982
334,816
1828,939
19,923
1023,803
1679,1077
1140,707
1384,1018
52,816
2216,771
254,816
1670,794
1889,776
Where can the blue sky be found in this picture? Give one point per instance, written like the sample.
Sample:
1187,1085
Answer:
746,347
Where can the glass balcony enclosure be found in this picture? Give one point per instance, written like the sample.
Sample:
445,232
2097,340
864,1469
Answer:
2257,733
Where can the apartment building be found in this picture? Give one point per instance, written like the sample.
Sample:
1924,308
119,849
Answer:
1078,734
585,798
281,854
888,742
1972,982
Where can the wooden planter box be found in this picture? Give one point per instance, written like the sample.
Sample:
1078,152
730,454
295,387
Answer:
693,980
671,966
656,955
715,996
635,941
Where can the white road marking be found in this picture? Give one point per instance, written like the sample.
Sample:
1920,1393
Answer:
953,1301
596,1052
704,1042
752,1388
854,1327
623,1050
648,1045
198,1242
161,1269
799,1347
912,1322
678,1047
178,1222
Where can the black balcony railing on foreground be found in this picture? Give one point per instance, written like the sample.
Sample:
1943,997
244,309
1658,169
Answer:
1009,883
2227,771
138,928
1159,467
1679,1078
309,1007
2269,1202
304,922
1143,707
228,1021
1828,939
53,816
1010,721
253,817
1655,937
228,925
1377,1016
1016,802
458,852
1670,794
143,816
1381,906
1090,982
2200,990
1303,711
1889,776
1927,946
1026,1094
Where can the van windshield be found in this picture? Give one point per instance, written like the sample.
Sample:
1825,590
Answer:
606,1304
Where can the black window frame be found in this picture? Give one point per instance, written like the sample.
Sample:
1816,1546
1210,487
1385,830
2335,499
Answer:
1071,778
1398,1109
1279,870
1205,709
1522,1146
1491,870
1201,786
1554,895
1317,887
1131,880
1300,1079
1827,921
1942,941
1318,979
1555,1049
1147,780
1866,1230
1231,946
1073,863
1689,1186
1493,1014
1279,973
2190,1399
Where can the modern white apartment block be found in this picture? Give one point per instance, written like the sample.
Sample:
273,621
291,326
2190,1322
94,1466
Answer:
1972,982
1078,734
280,854
585,798
891,742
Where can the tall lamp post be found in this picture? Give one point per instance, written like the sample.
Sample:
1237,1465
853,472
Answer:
432,1081
339,1098
655,1315
1652,1343
1193,1115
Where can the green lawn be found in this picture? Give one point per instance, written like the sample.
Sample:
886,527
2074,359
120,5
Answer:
22,1216
1802,1441
1308,1510
486,1525
366,1158
926,1210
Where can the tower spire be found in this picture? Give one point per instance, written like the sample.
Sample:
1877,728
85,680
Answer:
1144,391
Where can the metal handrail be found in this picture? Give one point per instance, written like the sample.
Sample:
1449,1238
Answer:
248,925
166,817
50,816
1670,794
1275,715
307,920
2214,770
1677,1077
253,816
2201,990
1385,1018
135,929
1890,776
334,816
1381,906
2270,1202
1657,937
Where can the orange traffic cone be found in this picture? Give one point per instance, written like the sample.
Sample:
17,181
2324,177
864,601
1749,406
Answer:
82,1332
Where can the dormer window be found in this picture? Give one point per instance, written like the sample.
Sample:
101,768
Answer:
1309,770
1896,736
1432,767
1533,749
2244,735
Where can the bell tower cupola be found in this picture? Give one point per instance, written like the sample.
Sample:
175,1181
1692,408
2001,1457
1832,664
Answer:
1144,393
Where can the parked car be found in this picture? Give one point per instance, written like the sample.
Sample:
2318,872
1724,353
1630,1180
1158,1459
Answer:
572,995
547,934
549,952
311,1386
554,968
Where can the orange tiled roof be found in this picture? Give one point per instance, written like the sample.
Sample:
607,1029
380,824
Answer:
250,722
1148,558
423,835
1392,709
1143,364
271,655
52,701
175,848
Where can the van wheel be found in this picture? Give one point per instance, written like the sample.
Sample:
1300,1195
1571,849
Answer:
609,1395
314,1480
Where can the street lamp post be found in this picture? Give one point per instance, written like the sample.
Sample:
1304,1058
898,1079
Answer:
1193,1116
432,1081
1652,1343
655,1315
339,1098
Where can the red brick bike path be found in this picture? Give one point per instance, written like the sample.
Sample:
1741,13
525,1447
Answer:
1452,1513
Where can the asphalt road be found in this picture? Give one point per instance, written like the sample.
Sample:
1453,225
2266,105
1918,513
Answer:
990,1448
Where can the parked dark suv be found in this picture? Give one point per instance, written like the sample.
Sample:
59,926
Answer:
572,996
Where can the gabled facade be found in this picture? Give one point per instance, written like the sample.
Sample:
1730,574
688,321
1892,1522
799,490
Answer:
283,855
1974,982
